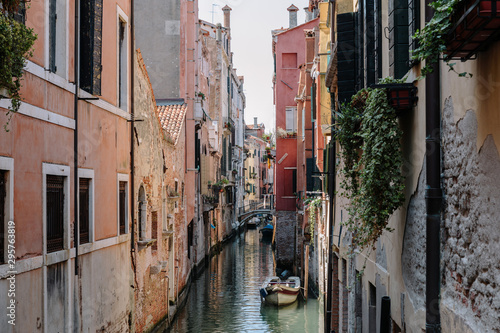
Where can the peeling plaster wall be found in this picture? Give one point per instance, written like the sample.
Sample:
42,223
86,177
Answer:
414,245
471,249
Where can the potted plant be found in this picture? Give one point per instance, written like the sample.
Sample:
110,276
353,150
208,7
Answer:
401,96
234,171
17,41
201,95
372,163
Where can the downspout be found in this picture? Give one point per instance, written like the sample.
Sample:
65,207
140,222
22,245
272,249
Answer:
132,124
433,193
75,140
331,194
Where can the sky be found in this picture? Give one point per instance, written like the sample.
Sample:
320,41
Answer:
251,25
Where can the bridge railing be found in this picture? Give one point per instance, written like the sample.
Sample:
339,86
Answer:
267,203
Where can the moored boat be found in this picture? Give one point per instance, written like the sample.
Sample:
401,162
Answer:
267,231
253,223
280,292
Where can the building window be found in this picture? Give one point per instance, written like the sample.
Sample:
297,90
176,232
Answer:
122,63
55,213
91,46
414,23
291,119
57,37
6,202
84,213
123,209
154,229
399,55
123,203
3,196
289,60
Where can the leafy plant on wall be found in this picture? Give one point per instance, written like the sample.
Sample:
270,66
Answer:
16,42
369,135
432,38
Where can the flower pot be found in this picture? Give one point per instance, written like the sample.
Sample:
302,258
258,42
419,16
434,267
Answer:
475,25
401,96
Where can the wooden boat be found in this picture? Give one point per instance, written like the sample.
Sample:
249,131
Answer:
253,223
267,231
278,292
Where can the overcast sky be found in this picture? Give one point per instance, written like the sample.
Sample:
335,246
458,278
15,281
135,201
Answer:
251,25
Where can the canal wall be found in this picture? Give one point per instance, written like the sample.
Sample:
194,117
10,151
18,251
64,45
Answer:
286,222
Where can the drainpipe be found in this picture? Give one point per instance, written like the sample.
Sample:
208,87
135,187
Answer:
132,124
75,140
433,193
331,194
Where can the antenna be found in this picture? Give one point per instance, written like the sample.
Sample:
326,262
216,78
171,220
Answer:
213,11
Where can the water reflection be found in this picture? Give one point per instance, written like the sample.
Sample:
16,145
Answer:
225,298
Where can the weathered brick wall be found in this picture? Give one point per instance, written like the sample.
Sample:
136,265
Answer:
471,249
286,222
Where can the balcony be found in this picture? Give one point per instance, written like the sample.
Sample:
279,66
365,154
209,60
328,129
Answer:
475,25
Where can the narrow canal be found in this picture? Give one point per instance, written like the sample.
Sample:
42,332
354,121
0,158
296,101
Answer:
225,298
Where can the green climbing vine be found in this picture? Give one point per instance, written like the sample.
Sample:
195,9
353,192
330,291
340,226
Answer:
312,207
16,42
369,135
432,38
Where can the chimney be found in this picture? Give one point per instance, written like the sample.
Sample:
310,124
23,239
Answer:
227,16
292,10
255,122
308,14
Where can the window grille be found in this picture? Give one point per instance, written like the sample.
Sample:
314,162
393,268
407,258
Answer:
123,211
84,210
55,213
398,38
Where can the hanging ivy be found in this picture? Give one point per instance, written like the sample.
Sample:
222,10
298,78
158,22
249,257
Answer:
312,207
369,135
16,42
432,38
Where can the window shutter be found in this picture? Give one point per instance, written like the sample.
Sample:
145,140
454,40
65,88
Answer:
378,39
369,34
91,46
359,47
345,56
52,35
398,39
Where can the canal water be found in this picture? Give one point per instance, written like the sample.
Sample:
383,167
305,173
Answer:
225,298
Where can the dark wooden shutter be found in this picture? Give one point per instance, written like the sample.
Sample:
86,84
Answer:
196,150
122,203
90,45
398,38
370,38
224,157
84,213
3,195
345,56
359,47
52,35
55,213
378,39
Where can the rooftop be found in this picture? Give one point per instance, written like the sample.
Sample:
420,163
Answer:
172,117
